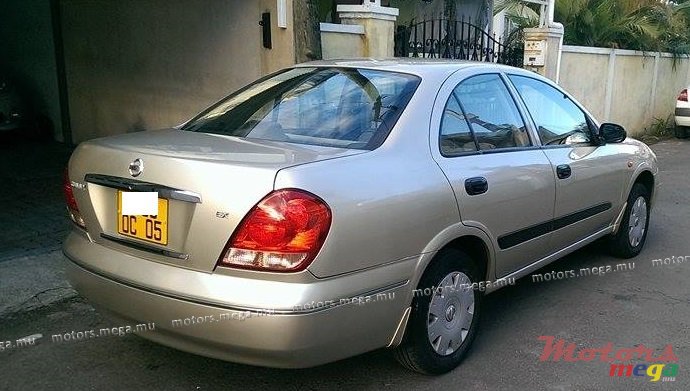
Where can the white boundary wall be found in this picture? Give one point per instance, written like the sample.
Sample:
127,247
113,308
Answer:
627,87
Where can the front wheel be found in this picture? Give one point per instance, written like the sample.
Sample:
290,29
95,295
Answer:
445,314
632,233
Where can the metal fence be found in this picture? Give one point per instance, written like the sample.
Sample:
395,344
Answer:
454,39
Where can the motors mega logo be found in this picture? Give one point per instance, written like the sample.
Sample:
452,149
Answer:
656,367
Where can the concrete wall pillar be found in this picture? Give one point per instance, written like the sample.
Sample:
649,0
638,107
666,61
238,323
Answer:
378,23
543,47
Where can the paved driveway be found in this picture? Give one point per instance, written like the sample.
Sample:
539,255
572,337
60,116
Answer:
647,305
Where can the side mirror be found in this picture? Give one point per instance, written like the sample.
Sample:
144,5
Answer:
612,133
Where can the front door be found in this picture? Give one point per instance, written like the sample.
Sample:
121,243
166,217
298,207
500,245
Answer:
588,177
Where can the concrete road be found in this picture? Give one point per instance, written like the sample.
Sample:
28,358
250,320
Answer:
648,305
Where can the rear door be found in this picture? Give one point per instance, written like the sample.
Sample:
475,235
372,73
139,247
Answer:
503,182
589,178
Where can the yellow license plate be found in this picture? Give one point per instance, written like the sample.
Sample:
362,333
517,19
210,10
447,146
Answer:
150,228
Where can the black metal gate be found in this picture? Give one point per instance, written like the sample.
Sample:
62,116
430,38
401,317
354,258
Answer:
454,39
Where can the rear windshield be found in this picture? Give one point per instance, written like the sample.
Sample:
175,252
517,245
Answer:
335,107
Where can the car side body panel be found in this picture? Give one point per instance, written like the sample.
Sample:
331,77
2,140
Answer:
589,199
385,208
643,160
520,197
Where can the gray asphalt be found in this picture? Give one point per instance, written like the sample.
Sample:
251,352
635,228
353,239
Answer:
649,305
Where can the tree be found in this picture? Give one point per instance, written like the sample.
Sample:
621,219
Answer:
648,25
307,32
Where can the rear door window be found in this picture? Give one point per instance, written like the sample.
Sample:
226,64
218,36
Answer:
492,113
481,114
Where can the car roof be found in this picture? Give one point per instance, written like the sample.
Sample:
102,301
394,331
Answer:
416,66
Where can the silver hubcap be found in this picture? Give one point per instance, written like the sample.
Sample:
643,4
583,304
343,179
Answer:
450,313
638,221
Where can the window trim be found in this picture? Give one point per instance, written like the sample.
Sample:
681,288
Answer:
588,119
493,151
454,96
479,151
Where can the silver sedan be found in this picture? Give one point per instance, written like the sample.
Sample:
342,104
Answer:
335,208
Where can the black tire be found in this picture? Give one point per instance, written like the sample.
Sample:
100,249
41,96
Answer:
619,244
416,352
681,132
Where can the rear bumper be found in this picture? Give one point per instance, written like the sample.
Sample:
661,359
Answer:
683,121
256,336
682,116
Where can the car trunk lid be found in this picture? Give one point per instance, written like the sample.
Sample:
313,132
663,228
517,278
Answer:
209,183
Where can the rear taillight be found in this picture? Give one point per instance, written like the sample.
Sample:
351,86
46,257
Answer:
72,207
283,232
683,97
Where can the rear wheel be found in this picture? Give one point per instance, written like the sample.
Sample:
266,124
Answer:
444,317
632,233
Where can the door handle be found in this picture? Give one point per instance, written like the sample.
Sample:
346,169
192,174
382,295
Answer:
476,185
563,171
